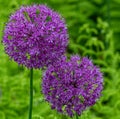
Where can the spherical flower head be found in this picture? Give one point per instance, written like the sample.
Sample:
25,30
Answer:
35,36
72,86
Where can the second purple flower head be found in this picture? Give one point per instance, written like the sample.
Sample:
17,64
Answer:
72,86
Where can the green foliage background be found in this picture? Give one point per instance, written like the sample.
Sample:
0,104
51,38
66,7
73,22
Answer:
94,31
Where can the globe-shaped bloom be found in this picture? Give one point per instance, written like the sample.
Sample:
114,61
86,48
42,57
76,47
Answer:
72,86
35,36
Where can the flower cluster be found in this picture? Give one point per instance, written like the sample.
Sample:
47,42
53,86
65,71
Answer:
72,86
35,36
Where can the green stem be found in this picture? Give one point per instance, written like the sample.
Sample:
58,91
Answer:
31,93
76,116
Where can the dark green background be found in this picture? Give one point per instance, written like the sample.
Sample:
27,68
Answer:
94,31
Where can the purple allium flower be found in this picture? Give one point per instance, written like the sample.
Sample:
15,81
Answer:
72,86
35,36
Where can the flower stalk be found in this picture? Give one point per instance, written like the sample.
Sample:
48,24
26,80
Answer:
31,93
76,116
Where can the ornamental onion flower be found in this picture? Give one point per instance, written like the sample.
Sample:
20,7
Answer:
35,36
72,86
